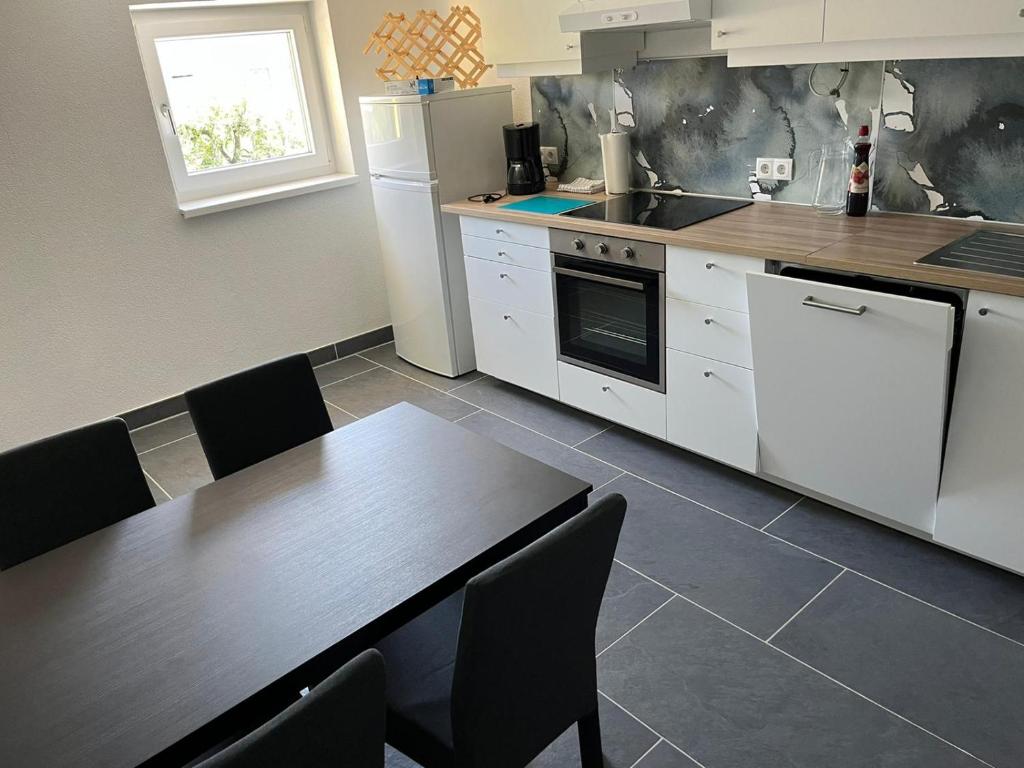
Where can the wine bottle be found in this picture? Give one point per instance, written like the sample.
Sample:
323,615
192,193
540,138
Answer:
860,175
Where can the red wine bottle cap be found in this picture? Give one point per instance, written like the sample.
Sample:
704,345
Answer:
864,131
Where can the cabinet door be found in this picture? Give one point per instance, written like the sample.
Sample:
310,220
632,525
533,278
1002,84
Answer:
757,23
884,19
711,409
852,405
524,32
981,502
515,346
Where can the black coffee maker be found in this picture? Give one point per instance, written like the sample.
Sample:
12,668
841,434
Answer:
522,151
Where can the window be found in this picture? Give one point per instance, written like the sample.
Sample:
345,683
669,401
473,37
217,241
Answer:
239,98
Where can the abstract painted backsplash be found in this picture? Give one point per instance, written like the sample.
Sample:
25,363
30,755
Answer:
950,133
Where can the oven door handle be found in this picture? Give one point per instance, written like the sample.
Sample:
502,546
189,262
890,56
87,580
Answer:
618,282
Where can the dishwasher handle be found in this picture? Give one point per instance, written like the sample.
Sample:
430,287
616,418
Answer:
810,301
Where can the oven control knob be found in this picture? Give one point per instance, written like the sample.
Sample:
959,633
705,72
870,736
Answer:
602,248
578,244
628,253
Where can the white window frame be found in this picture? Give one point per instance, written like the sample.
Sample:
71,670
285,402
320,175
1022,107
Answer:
232,186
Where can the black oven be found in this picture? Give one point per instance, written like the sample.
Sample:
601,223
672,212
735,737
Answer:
610,306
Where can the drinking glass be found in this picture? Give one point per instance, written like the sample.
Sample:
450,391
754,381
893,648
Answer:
833,178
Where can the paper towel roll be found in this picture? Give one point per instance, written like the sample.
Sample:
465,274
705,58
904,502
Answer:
615,153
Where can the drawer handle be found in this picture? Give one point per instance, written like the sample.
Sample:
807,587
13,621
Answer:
708,320
507,317
985,310
707,374
503,254
503,275
709,265
606,388
810,301
721,33
499,231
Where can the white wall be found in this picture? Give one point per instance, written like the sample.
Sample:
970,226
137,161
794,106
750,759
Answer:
108,298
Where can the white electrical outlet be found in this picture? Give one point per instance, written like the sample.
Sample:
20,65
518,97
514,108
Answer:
782,169
764,168
549,156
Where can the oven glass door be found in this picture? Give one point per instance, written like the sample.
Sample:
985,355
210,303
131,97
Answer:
610,318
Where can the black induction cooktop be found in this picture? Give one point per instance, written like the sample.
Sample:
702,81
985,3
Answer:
647,209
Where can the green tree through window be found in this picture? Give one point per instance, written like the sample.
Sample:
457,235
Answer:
232,136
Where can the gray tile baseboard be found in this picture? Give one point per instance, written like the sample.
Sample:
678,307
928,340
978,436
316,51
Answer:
172,406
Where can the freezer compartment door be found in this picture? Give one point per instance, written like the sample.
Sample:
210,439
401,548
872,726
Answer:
412,251
399,143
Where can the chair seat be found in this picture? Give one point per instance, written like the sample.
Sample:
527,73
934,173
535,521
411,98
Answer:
420,661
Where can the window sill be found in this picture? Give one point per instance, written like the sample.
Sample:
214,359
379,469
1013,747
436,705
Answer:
206,205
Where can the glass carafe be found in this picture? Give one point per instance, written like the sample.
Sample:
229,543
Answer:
833,178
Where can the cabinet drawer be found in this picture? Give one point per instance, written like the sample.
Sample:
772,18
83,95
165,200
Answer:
721,334
527,289
506,232
711,409
718,279
636,407
515,346
514,254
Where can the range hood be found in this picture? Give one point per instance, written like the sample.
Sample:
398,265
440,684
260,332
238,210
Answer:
595,15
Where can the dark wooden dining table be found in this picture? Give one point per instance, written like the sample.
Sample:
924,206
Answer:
152,639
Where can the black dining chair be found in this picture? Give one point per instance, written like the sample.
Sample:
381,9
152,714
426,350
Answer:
66,486
339,724
252,415
492,675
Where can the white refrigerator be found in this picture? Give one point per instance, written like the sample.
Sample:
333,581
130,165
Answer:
425,151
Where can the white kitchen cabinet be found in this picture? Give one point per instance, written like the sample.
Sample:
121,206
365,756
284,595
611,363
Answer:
705,277
981,501
515,345
711,409
524,39
637,407
518,287
721,334
884,19
513,254
852,404
506,232
759,23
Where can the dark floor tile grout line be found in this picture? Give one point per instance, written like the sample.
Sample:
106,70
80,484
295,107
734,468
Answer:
159,487
678,749
466,384
581,442
712,509
352,376
819,593
804,664
338,407
653,747
645,618
461,418
779,517
608,482
164,445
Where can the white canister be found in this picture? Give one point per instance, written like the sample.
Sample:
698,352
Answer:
615,153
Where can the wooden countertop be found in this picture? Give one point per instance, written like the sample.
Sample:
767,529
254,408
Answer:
885,245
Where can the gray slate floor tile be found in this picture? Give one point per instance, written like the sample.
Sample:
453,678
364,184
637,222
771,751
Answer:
543,449
623,738
731,701
628,598
730,491
342,369
380,388
974,590
395,759
549,417
338,417
954,679
163,432
739,573
158,495
666,756
179,467
387,357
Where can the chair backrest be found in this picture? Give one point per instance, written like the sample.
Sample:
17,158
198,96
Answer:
63,487
525,668
252,415
339,723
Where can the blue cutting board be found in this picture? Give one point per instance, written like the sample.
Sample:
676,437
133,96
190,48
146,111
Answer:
549,205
